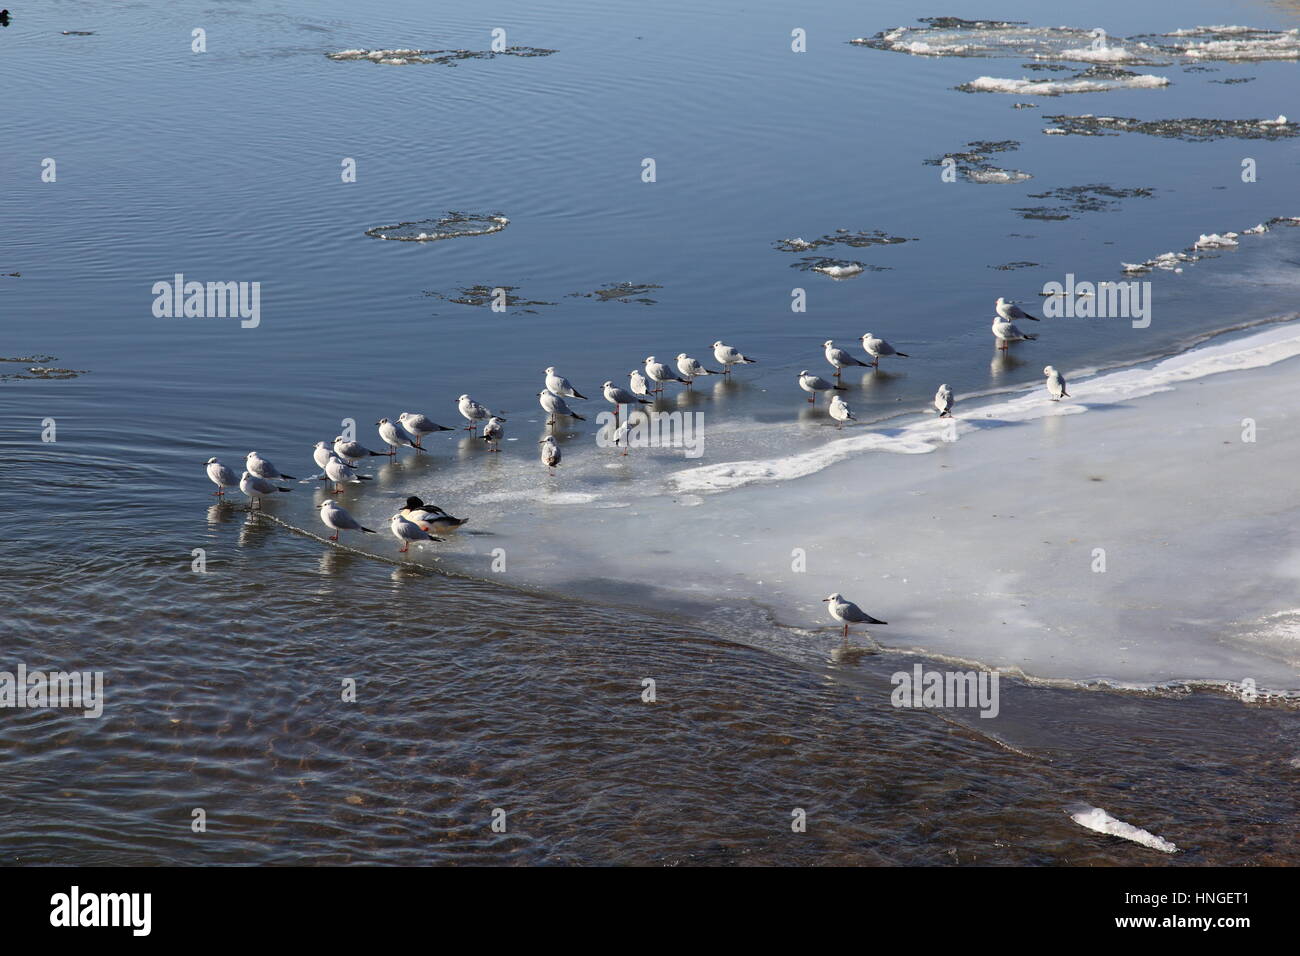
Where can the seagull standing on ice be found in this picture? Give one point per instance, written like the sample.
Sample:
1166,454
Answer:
262,468
473,412
840,411
640,384
554,406
620,396
408,531
1006,332
420,425
335,516
321,453
394,436
493,432
845,610
692,368
255,488
659,373
877,347
1009,313
812,384
338,471
222,476
550,453
1055,384
729,357
943,401
839,358
561,386
351,451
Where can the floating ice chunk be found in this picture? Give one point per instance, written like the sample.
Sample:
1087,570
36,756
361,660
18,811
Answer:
992,175
846,271
993,84
1215,241
1098,820
798,244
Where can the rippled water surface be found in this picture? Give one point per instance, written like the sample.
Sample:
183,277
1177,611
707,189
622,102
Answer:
474,690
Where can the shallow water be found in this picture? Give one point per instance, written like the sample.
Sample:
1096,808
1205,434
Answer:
223,688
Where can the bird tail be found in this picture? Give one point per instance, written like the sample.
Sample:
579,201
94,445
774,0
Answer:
1032,318
748,361
377,454
840,388
278,488
578,394
1064,393
1030,336
578,417
369,531
902,355
365,478
288,477
872,620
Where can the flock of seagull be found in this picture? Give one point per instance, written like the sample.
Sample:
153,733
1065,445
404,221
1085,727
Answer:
417,521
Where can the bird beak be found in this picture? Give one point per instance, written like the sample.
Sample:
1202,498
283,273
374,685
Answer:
824,600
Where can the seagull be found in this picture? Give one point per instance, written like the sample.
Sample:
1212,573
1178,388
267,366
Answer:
408,531
848,612
729,357
555,406
550,453
335,516
420,425
1055,384
620,396
1009,312
640,384
262,468
492,433
394,436
877,347
473,412
943,401
840,411
561,386
1006,332
255,487
839,358
321,452
812,384
339,471
429,517
660,373
692,369
350,451
221,476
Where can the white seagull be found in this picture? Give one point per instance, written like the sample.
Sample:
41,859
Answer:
473,412
839,358
1009,312
640,384
943,401
1006,332
408,531
420,425
338,471
840,411
560,385
255,487
555,406
659,373
221,476
550,453
617,396
335,516
692,368
845,610
812,384
493,432
262,468
395,436
729,357
350,451
1055,384
877,347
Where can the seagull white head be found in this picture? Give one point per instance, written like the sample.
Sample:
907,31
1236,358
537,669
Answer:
1049,370
608,385
828,343
718,344
210,461
1001,302
943,386
244,475
550,370
867,335
548,440
252,454
463,398
649,359
681,356
835,598
803,373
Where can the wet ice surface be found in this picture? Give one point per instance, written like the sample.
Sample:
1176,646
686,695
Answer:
1176,261
981,549
1190,129
405,57
453,225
